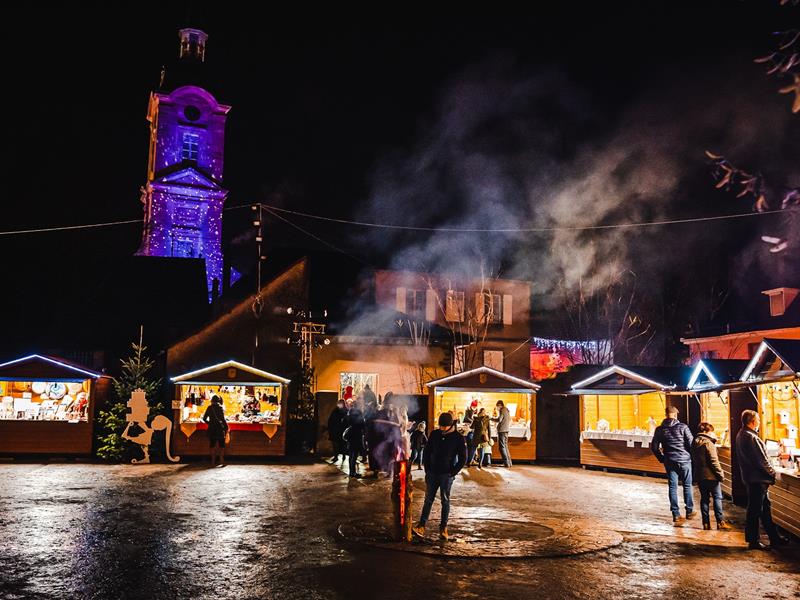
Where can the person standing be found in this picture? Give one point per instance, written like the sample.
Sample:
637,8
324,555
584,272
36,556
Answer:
672,446
418,441
469,415
217,430
481,437
708,474
445,456
503,421
369,397
757,475
353,436
336,425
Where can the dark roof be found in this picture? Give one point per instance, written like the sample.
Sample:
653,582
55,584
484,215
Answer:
725,370
670,377
38,367
787,350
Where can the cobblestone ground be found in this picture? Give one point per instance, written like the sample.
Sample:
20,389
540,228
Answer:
258,531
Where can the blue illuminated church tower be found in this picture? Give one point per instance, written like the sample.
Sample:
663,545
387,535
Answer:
184,195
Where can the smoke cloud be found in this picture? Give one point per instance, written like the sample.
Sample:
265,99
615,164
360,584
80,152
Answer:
506,148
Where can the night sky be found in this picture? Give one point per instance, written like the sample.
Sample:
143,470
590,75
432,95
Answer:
326,103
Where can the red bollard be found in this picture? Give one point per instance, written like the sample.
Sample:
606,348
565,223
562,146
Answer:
402,492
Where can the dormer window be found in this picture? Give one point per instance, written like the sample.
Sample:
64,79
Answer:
190,146
780,299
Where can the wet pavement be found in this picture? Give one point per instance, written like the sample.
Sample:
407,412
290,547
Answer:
257,531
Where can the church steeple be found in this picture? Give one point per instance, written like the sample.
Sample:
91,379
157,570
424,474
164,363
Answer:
183,196
193,44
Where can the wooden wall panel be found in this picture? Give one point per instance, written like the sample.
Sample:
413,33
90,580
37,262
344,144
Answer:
615,454
243,443
785,497
45,437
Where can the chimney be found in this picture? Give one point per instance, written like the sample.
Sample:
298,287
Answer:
780,299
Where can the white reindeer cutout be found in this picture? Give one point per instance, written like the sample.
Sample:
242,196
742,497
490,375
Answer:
138,415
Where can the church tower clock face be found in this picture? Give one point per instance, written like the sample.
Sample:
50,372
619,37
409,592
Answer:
184,196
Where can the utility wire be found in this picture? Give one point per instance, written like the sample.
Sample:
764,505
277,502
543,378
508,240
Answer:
274,210
90,225
311,235
68,227
521,229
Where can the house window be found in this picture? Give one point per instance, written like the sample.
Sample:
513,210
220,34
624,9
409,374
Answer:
415,303
189,149
358,381
454,306
493,308
493,359
459,359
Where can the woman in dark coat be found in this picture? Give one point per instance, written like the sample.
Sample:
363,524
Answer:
708,474
217,429
481,436
354,438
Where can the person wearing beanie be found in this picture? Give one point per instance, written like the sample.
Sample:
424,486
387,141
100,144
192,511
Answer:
444,456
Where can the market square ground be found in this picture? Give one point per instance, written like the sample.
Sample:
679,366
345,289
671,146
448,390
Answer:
253,531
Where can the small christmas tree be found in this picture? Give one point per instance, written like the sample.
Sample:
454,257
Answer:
134,375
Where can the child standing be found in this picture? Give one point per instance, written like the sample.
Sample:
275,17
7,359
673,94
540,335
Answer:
418,441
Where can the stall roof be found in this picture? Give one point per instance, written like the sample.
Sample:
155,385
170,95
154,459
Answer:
634,380
228,372
715,373
38,367
465,376
775,359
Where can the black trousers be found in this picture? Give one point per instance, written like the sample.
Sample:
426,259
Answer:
759,508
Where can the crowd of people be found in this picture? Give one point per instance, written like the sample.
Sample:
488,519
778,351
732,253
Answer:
379,434
372,431
689,459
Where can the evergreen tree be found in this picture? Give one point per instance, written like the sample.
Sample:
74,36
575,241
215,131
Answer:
135,374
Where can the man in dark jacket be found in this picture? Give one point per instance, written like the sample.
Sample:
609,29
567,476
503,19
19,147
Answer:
707,473
757,475
445,455
353,436
336,426
672,445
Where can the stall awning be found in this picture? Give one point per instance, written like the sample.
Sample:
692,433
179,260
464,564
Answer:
483,378
634,380
775,359
38,367
714,374
230,372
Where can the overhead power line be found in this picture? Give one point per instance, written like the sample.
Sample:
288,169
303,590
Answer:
89,225
518,229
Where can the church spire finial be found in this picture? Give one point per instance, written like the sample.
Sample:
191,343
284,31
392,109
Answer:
193,44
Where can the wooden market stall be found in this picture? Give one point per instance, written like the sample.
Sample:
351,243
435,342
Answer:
487,386
47,406
620,407
774,376
255,408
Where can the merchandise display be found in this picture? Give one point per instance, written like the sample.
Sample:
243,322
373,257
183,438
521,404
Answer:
457,402
44,401
242,403
621,416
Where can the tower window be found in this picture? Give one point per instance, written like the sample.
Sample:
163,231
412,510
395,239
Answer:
191,143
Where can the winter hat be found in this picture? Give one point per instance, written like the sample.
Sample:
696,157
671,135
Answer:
445,420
